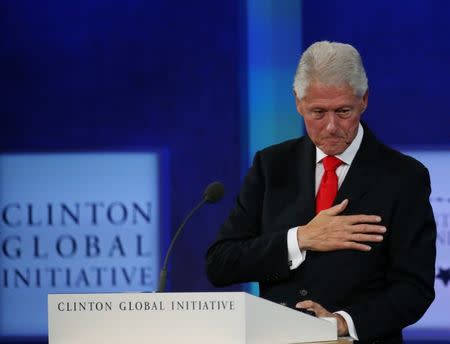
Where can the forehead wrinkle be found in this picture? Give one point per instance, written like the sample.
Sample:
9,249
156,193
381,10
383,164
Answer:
327,103
318,96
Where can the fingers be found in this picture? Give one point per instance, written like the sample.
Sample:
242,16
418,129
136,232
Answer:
367,228
358,237
330,231
351,245
313,306
337,209
356,241
351,219
304,304
354,219
360,234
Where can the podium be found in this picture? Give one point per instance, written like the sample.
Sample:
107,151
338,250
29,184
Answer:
188,318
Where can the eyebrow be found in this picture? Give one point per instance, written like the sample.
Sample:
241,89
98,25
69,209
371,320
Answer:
342,107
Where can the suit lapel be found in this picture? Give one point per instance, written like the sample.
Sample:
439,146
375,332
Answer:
362,175
306,168
363,172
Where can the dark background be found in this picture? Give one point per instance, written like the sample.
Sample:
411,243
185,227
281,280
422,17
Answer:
405,46
102,75
131,75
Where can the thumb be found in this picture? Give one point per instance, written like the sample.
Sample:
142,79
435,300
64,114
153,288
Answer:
337,209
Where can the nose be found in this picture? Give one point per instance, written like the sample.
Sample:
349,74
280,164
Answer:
331,123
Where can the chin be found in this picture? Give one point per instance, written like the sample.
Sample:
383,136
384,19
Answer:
333,150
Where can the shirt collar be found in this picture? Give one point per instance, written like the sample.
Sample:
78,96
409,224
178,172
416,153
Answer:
348,155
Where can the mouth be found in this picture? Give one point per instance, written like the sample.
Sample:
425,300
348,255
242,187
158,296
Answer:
334,139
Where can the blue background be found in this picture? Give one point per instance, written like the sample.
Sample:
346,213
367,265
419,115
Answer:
98,75
405,47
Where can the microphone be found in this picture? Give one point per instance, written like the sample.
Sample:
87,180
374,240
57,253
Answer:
212,194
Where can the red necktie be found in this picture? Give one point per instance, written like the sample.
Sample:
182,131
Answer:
328,185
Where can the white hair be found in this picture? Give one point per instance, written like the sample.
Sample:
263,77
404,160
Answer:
330,63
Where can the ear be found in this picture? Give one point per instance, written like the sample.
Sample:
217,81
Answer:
298,104
365,100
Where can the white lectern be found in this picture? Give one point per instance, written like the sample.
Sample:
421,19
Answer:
185,318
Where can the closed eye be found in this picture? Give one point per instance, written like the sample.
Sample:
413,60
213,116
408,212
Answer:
344,112
318,113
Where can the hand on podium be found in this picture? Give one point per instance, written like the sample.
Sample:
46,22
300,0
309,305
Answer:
320,311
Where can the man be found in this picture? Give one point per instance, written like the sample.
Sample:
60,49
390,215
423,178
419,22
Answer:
334,222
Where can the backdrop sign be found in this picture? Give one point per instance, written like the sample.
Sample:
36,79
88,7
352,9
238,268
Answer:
75,223
437,162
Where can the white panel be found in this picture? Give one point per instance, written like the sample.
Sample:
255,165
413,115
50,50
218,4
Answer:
74,222
268,323
190,318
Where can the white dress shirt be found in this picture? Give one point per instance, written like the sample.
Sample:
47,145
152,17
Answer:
297,256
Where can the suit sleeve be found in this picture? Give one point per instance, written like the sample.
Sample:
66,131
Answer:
243,252
410,272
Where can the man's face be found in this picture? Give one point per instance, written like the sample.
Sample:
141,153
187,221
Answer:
331,115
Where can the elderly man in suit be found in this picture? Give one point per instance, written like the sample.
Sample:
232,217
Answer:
335,221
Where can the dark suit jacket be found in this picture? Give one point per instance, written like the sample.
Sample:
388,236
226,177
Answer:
383,290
